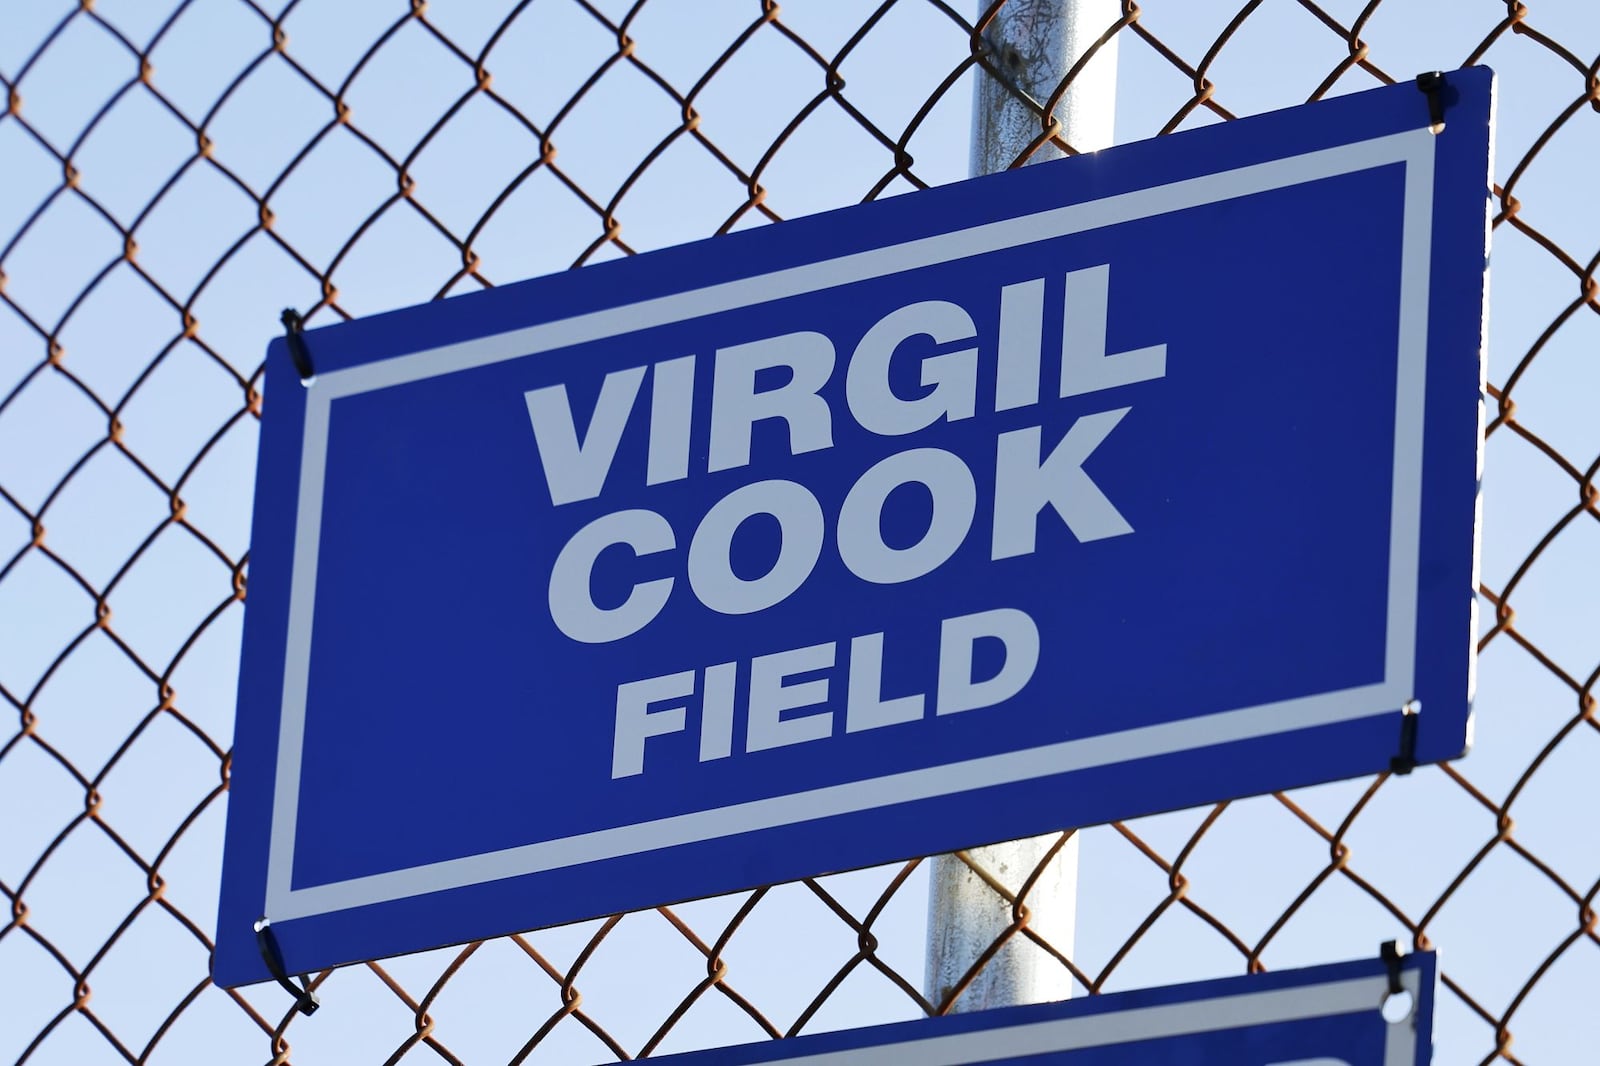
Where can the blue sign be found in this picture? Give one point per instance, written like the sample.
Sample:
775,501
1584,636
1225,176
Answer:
1102,487
1325,1016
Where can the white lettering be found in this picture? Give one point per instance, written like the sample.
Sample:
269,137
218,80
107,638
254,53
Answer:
710,566
952,377
716,712
572,470
957,689
1085,366
1016,382
783,378
860,532
736,406
636,722
865,707
671,412
572,605
770,697
772,690
1024,486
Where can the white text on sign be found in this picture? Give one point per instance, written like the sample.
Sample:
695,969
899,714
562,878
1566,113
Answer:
1030,474
656,706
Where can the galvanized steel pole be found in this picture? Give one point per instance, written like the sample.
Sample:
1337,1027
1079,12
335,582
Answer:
1035,43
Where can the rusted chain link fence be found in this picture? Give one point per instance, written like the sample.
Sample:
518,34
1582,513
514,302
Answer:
171,176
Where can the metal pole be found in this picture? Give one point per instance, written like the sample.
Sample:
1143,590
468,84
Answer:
1035,42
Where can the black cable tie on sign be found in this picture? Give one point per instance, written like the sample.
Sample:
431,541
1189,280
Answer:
299,354
1405,761
305,1001
1432,86
1389,951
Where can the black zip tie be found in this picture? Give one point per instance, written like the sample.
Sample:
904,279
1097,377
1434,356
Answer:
1405,761
299,354
1389,951
1432,86
305,1000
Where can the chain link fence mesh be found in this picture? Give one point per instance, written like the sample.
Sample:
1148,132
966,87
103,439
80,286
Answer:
172,175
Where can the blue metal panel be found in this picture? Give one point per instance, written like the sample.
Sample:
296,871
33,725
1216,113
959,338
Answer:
1165,496
1323,1016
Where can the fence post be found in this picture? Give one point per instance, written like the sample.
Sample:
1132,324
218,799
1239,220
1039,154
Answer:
1035,42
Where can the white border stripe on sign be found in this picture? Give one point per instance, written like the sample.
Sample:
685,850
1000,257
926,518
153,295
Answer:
1414,149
